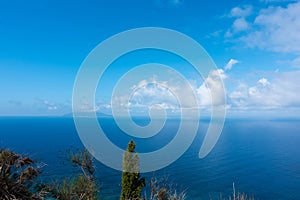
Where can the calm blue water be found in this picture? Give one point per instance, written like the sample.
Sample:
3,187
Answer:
262,158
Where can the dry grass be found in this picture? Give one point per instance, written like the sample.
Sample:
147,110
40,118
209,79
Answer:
237,195
162,189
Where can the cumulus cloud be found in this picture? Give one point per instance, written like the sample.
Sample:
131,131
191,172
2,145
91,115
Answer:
243,11
156,94
275,28
172,96
281,92
212,87
230,64
149,94
240,24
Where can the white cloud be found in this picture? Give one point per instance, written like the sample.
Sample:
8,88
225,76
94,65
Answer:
280,93
162,95
204,96
239,25
276,29
149,94
49,105
230,64
146,95
264,82
241,11
212,87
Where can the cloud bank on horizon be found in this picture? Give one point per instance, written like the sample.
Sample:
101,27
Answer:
256,47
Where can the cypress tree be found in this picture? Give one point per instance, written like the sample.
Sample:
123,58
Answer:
132,183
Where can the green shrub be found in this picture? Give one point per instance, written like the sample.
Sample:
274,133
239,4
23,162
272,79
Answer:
82,186
132,183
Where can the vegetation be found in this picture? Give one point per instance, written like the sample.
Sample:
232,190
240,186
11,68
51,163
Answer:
79,187
17,175
82,186
132,183
18,180
163,190
239,196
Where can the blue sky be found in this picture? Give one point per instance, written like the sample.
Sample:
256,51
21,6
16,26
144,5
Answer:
255,45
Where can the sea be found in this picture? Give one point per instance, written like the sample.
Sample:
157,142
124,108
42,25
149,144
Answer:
261,158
